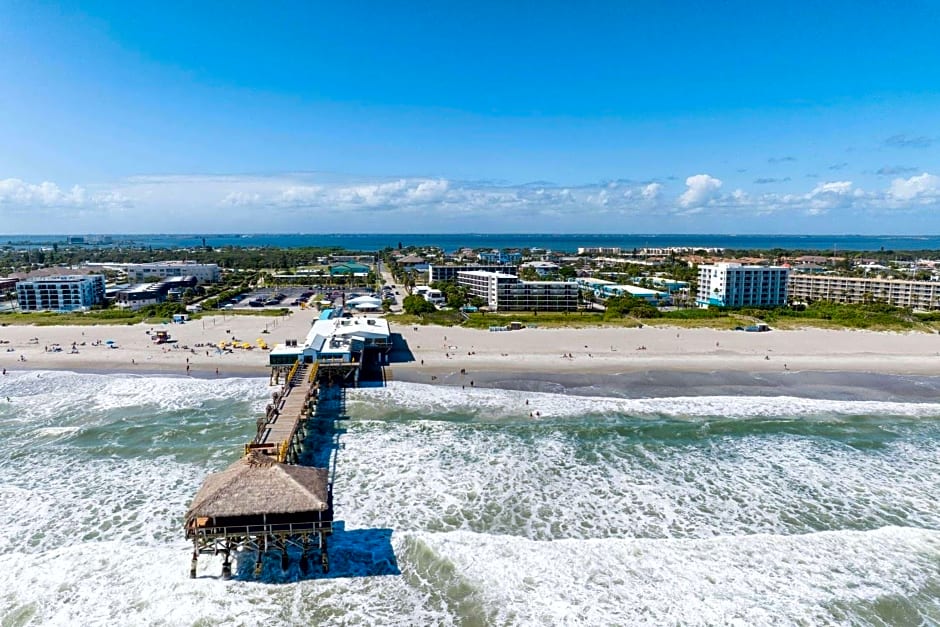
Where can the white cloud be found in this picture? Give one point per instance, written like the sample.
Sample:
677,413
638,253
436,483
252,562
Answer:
652,191
45,194
312,201
700,188
917,187
429,190
835,187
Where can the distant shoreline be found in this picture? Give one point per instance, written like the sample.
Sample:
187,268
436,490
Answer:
563,242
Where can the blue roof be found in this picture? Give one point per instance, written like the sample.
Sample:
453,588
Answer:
326,314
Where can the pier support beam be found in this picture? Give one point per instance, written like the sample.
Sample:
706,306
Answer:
226,566
304,556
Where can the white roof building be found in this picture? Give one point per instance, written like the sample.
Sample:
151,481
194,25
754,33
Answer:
341,339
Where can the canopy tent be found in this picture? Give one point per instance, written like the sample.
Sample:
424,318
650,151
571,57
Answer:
364,299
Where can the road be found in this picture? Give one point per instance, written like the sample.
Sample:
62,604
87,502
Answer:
386,276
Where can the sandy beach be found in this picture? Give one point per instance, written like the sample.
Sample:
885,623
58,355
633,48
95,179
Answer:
132,349
620,350
430,351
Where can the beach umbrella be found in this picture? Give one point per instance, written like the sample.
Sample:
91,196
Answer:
109,342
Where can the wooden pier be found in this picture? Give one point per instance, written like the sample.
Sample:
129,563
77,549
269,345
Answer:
266,500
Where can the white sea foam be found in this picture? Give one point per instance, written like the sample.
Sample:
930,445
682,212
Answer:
494,520
548,482
824,578
108,583
39,396
840,577
498,403
53,500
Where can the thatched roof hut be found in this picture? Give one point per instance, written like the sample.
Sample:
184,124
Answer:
256,485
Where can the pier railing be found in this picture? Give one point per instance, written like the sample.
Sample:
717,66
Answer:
288,529
293,371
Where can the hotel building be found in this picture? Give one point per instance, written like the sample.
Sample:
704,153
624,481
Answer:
507,292
736,285
438,272
845,289
139,272
60,293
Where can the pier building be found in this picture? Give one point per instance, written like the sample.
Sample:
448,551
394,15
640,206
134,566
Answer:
334,339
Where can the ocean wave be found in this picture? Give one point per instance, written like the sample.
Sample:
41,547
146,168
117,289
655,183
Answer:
38,396
553,482
495,404
882,576
823,578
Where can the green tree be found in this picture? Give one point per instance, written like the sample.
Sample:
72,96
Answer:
528,273
626,305
416,305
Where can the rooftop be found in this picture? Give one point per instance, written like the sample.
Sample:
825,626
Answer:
258,484
487,273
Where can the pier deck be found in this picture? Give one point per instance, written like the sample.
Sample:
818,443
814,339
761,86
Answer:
284,417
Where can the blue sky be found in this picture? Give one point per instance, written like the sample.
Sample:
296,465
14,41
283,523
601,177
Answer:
734,117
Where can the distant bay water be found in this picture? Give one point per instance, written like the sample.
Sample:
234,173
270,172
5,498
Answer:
455,241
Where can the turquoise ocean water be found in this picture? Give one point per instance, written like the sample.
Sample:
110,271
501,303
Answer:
458,508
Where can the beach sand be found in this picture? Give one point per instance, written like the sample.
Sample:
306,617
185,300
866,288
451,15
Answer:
610,350
136,352
442,352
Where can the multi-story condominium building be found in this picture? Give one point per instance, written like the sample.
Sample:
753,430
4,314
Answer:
138,272
60,293
846,289
507,292
500,257
438,272
599,250
736,285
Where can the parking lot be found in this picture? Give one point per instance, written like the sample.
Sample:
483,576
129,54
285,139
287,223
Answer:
276,298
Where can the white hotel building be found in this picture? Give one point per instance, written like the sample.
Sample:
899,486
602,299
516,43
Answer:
736,285
139,272
507,292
